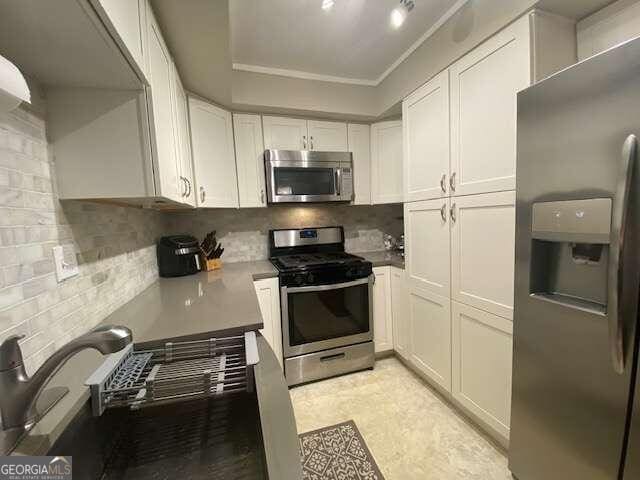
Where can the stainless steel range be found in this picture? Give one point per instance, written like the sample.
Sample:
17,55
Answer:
326,297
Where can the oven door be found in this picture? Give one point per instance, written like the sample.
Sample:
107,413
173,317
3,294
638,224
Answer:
317,318
296,181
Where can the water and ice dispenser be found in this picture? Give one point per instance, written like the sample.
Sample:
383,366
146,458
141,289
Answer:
570,252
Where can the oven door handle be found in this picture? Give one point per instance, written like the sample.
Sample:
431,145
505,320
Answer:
333,286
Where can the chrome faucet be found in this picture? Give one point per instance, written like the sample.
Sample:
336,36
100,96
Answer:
21,404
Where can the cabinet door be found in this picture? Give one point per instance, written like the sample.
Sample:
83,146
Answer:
162,114
425,117
482,349
213,155
400,312
382,319
269,301
247,131
359,140
183,139
126,21
484,84
386,162
284,133
327,136
482,251
430,324
428,246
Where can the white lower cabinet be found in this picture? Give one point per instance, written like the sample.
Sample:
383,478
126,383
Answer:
430,333
382,318
268,294
482,349
400,312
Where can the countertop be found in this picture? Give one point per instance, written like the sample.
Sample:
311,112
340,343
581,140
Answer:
383,258
177,308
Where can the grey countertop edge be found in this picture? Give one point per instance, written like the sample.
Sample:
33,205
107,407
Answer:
383,258
79,367
279,432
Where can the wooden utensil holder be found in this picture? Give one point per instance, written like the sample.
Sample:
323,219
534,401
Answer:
212,264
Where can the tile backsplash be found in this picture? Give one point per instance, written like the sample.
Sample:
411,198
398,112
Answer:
114,247
243,233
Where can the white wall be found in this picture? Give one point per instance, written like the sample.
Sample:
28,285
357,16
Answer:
608,27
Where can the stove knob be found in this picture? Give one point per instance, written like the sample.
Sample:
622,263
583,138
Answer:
351,273
298,279
310,278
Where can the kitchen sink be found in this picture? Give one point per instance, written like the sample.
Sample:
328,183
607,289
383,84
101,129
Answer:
208,439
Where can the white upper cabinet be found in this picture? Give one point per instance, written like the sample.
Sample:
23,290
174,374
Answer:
482,350
183,139
359,144
327,136
125,19
282,133
382,315
425,117
484,84
247,131
427,245
483,251
386,162
163,124
213,155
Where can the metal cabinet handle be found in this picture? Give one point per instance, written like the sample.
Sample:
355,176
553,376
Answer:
304,142
452,213
443,212
616,273
262,196
443,183
203,194
311,142
184,186
188,187
452,182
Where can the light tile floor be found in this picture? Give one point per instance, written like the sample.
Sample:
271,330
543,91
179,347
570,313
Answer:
411,431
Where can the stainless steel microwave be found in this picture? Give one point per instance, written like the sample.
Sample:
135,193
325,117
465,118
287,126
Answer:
308,176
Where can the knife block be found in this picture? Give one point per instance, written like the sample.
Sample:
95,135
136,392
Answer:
212,264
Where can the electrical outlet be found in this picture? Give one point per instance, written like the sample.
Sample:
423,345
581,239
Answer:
64,268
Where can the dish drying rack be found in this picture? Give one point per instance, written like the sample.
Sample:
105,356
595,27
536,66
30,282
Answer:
178,371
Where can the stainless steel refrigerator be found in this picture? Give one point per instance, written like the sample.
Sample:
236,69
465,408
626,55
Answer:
577,274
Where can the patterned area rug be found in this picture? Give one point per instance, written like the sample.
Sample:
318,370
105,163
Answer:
337,453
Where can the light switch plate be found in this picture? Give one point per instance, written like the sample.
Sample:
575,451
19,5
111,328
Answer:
64,268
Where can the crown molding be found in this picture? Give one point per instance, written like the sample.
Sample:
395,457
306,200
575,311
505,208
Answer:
425,36
283,72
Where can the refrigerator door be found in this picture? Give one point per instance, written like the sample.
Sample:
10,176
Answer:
572,364
632,463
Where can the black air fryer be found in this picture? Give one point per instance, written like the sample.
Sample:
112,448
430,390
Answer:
178,255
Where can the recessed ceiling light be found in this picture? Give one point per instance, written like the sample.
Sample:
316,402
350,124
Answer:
327,4
399,14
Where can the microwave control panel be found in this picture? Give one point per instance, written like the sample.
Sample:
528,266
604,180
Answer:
346,189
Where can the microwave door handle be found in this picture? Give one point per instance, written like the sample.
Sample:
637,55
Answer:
615,273
338,177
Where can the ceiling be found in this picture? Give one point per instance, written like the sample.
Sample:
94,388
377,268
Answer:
575,9
353,42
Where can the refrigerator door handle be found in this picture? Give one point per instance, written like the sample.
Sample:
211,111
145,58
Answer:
615,274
